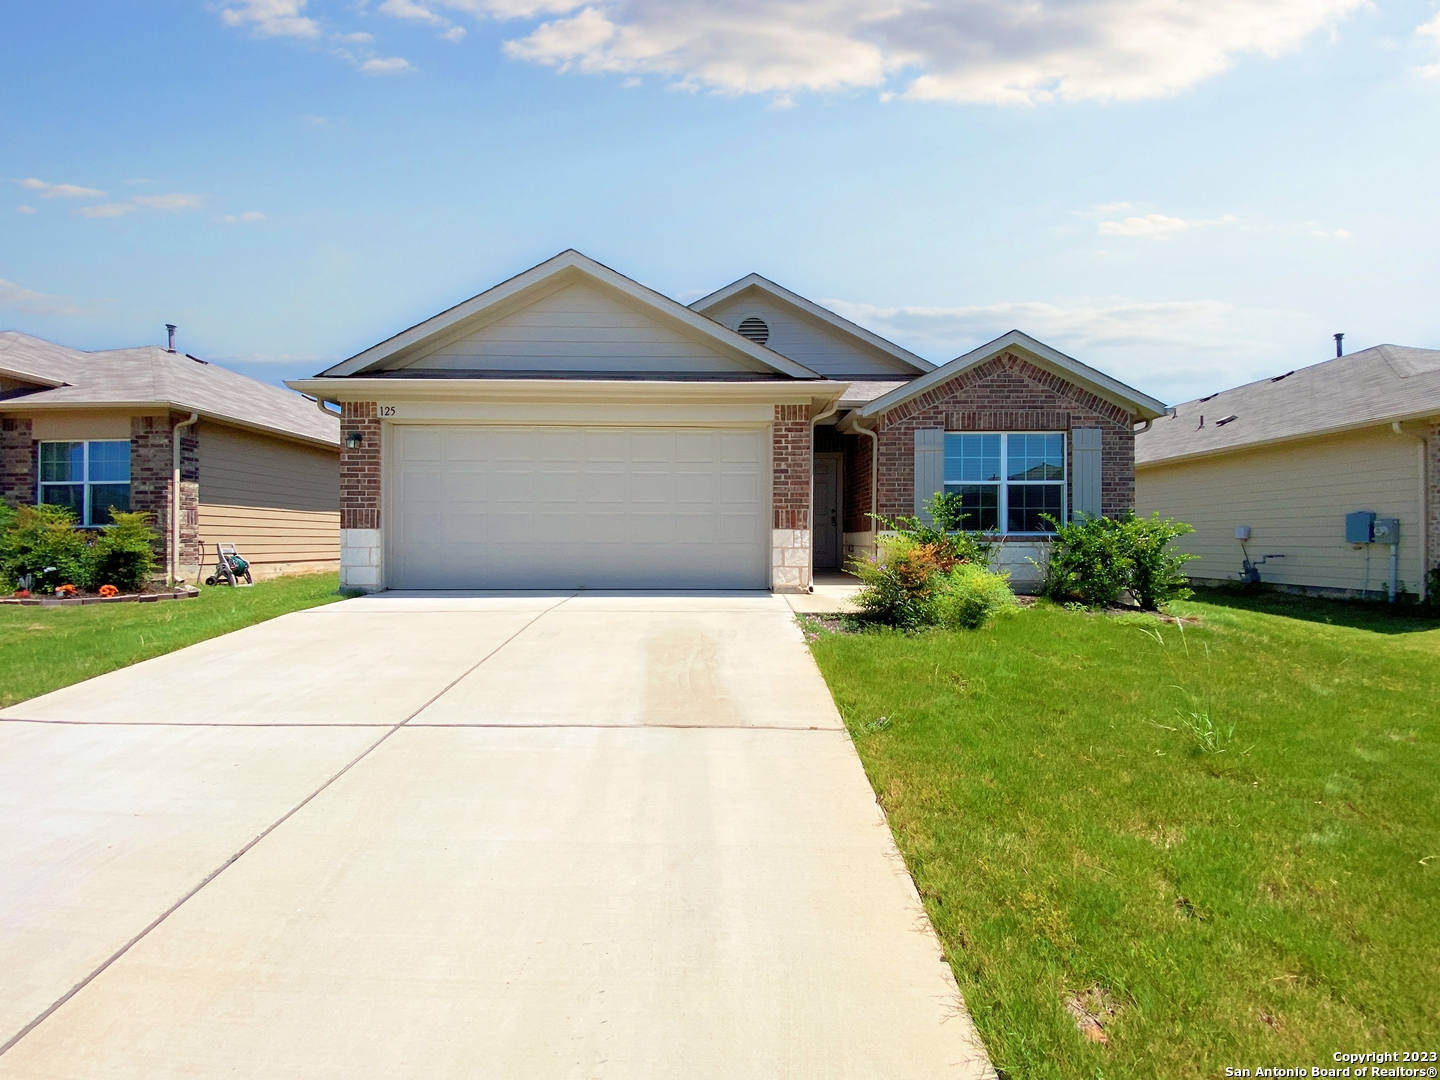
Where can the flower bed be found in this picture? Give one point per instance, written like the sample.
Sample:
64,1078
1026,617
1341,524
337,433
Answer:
185,592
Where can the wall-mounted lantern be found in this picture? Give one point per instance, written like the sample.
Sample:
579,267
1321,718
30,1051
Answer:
354,440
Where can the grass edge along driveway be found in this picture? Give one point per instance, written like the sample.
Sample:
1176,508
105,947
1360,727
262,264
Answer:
1083,825
43,649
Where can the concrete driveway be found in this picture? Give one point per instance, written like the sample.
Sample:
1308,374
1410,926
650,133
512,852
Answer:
594,835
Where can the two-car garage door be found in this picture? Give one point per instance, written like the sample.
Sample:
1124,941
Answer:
509,507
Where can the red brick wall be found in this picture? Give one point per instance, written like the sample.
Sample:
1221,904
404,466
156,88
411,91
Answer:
857,484
1006,393
17,461
790,459
151,465
360,468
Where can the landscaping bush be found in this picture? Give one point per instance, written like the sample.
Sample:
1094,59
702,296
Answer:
970,596
42,541
900,582
1095,559
124,553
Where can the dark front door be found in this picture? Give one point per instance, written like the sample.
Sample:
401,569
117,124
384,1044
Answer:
827,534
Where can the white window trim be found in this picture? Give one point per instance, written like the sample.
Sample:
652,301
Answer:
1003,508
41,484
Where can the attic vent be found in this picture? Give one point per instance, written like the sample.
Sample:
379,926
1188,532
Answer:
1214,395
1226,419
755,329
1287,375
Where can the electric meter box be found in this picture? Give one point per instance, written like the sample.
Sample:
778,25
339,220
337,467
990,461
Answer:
1386,531
1360,527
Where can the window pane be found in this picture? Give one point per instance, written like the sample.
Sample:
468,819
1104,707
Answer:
971,458
980,506
1035,457
107,497
110,461
1026,502
62,461
71,495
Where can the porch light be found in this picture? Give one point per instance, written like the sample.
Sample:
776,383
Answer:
354,440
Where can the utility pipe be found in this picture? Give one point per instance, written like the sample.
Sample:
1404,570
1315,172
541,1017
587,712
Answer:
1423,446
175,497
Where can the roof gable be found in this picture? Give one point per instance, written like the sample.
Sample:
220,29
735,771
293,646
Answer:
808,333
1037,352
570,315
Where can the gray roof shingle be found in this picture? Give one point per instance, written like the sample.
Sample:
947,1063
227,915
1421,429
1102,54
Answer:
150,375
1374,386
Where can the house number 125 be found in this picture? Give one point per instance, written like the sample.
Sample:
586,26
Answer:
387,410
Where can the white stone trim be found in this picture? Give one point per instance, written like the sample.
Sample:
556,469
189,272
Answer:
360,559
790,560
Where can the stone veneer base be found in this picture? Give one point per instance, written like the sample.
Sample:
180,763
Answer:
790,560
360,559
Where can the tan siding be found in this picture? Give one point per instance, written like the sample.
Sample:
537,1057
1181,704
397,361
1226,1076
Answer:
273,541
278,502
81,424
1295,497
238,468
579,328
807,340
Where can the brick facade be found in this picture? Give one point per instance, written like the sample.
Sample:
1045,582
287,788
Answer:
360,467
791,463
17,461
151,469
856,499
1006,393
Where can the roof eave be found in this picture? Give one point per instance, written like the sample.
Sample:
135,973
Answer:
1300,436
360,388
28,404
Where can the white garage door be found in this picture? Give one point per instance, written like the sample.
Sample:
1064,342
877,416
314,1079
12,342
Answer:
498,507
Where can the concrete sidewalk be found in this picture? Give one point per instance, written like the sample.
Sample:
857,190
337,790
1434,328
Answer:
440,835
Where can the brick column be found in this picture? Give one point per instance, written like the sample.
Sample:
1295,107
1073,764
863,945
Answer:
360,497
17,461
151,468
791,461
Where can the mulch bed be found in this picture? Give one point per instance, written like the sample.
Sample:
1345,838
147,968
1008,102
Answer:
184,593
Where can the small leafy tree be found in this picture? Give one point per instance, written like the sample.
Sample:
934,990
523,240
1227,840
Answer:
1095,559
43,543
124,553
1157,574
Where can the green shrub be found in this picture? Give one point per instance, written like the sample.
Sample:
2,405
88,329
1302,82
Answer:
900,582
42,542
124,553
1096,559
970,596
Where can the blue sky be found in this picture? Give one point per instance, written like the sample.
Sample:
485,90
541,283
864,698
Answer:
1186,195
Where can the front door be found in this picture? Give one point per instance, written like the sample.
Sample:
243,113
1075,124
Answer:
827,535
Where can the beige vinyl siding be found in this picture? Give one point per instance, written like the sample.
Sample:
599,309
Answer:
805,339
76,425
1294,496
278,502
579,328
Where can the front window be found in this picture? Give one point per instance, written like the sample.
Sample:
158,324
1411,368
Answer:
1007,481
91,478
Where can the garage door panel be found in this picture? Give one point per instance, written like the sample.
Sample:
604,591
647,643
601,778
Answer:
571,507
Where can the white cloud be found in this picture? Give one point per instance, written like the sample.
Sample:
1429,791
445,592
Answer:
24,209
245,218
107,210
59,191
1159,226
455,34
272,18
408,9
388,65
961,51
1432,29
169,202
18,298
1338,234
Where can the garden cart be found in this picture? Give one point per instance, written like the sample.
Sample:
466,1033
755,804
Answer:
230,568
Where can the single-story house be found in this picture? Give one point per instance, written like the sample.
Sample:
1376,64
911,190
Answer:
571,428
1269,472
256,466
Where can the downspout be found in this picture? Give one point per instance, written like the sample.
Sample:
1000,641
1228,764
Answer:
1424,448
1148,425
175,497
852,427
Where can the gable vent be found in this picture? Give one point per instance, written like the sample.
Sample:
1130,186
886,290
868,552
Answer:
755,329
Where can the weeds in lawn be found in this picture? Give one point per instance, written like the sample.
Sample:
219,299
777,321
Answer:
1207,736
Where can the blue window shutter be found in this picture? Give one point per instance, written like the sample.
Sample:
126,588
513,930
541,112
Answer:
1085,475
929,467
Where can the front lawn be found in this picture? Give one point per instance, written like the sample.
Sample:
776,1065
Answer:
1083,825
43,649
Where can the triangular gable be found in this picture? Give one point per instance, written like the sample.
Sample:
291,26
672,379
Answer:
571,314
1067,367
808,333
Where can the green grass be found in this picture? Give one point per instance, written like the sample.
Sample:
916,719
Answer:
1264,894
43,649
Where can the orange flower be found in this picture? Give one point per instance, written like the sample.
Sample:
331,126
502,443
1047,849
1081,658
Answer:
65,590
109,590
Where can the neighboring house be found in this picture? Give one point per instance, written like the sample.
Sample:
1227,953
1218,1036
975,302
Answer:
1288,458
258,467
572,428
